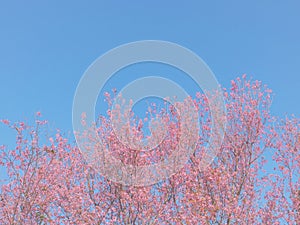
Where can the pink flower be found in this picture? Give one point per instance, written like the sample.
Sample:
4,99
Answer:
5,122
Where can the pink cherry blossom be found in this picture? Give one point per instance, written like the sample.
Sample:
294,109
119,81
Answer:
50,182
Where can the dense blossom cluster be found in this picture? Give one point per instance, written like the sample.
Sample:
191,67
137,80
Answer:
51,183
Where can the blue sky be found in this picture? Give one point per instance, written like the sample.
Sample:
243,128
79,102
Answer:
45,47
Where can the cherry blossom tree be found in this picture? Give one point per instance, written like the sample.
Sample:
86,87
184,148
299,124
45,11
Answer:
50,182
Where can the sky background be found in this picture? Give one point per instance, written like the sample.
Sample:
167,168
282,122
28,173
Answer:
45,47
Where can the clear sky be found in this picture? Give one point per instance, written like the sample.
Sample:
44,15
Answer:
45,47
